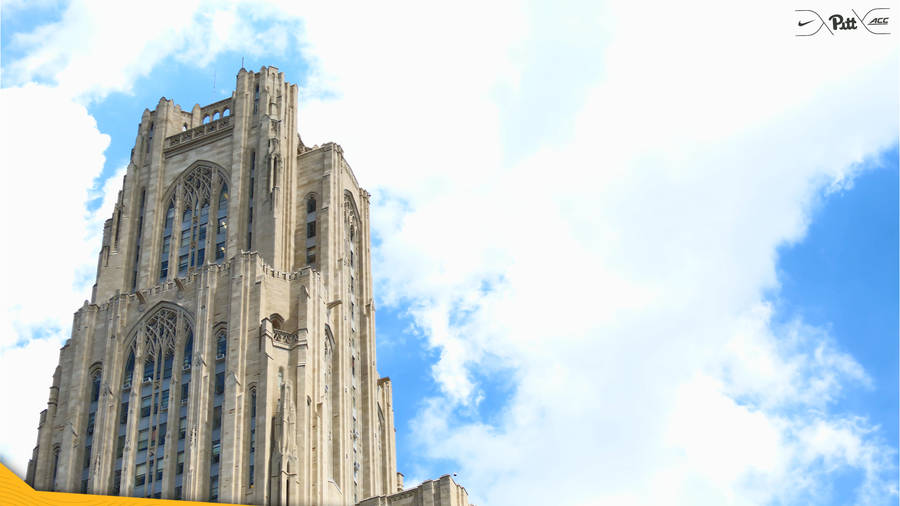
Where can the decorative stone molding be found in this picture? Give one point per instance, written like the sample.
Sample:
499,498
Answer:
198,133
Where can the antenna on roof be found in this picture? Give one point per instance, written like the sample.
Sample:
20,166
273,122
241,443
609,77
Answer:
242,62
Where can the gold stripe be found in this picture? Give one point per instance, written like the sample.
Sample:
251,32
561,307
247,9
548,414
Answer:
14,491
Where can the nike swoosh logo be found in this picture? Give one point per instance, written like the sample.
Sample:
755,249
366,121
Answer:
806,23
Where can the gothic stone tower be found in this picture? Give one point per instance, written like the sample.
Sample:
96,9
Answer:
228,351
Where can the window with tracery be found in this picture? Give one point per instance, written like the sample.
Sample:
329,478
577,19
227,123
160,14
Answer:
162,340
199,194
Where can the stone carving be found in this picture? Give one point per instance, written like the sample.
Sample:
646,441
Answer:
197,187
159,332
199,132
288,338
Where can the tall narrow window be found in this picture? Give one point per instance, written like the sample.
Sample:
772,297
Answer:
89,429
333,367
167,366
218,399
200,239
221,345
256,100
250,200
184,248
127,375
252,457
95,386
55,468
137,243
222,224
129,371
167,239
311,230
188,351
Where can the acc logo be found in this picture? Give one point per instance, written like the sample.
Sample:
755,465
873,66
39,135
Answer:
811,22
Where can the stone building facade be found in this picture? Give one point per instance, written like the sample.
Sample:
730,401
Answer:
228,350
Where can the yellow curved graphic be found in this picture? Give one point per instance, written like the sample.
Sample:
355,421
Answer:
15,491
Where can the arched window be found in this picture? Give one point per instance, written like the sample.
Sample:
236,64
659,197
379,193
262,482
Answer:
227,112
55,467
206,119
215,116
192,198
154,344
95,385
167,238
222,224
276,320
351,220
184,127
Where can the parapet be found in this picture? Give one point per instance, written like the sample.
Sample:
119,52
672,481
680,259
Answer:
443,491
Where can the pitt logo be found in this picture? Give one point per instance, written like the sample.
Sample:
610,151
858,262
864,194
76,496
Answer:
810,22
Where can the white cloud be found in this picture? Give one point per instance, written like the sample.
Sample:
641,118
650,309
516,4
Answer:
52,152
26,372
94,48
601,194
627,251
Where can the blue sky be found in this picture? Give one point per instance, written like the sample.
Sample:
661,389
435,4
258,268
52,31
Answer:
589,248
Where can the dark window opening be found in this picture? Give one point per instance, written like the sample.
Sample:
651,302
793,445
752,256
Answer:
95,387
221,345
